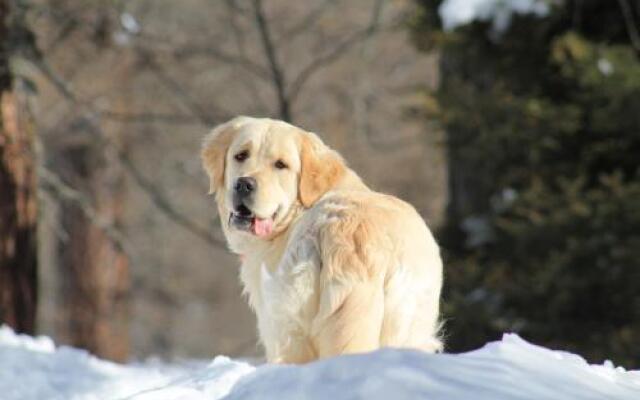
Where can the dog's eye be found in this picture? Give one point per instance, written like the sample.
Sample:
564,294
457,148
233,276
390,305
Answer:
281,164
243,155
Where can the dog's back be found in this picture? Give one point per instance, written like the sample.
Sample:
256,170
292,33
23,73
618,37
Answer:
379,276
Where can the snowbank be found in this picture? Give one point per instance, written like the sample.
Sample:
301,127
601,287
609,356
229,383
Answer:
455,13
33,368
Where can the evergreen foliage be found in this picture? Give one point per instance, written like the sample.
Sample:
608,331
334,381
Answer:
543,125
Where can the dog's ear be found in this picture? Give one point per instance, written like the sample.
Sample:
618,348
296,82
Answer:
214,151
321,169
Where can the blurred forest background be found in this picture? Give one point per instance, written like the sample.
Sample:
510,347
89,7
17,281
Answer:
512,126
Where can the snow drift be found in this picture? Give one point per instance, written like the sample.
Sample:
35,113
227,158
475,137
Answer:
33,368
455,13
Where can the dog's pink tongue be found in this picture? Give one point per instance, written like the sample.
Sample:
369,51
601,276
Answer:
262,227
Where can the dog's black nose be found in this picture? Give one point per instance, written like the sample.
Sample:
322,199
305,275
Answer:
245,185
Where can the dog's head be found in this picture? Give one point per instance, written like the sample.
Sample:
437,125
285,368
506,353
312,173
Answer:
264,172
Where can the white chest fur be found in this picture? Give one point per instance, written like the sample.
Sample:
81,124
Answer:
284,295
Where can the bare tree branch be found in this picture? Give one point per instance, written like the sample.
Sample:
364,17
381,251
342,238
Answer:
632,29
306,22
235,4
53,184
239,61
161,202
240,41
205,117
67,92
60,84
180,51
277,73
146,117
334,53
154,194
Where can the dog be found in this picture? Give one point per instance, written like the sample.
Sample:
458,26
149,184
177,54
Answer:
329,266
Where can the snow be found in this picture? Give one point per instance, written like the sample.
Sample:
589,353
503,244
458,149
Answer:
605,67
129,23
34,368
455,13
478,229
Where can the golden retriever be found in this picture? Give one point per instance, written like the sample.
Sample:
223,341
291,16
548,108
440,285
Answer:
329,266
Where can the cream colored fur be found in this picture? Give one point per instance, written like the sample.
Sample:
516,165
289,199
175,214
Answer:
345,270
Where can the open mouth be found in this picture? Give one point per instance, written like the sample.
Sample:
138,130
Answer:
244,219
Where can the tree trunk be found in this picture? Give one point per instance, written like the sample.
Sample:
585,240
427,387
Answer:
94,269
95,283
18,203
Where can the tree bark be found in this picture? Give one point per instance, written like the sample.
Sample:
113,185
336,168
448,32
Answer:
94,268
18,202
95,281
